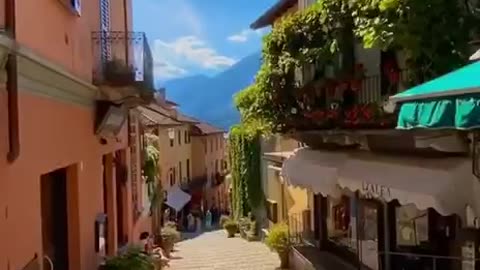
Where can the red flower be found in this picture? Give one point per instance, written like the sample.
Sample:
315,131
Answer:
356,85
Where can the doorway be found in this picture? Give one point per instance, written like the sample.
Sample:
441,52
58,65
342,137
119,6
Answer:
120,190
53,190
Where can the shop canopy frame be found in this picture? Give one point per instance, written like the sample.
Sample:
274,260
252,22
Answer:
451,101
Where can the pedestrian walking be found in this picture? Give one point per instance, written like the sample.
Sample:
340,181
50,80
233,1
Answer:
208,220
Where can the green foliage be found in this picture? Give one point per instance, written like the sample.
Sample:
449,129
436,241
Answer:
170,235
224,219
433,34
277,238
231,227
132,259
151,170
171,225
244,154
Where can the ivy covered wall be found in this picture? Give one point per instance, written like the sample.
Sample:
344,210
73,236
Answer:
245,160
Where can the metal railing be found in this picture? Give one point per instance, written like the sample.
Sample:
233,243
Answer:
122,58
374,88
299,228
414,261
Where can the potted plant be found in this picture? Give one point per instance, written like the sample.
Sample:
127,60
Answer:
252,234
277,240
231,227
244,226
223,219
118,73
170,236
132,259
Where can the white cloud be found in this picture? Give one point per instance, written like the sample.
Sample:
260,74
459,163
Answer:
191,51
164,70
244,35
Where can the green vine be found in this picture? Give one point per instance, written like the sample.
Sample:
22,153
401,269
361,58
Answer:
244,154
151,171
433,34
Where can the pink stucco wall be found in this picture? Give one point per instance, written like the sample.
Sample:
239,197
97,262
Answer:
53,135
48,28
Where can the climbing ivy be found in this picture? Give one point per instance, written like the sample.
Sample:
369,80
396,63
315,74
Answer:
244,154
151,171
433,34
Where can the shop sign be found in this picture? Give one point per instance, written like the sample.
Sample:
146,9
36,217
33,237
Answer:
375,191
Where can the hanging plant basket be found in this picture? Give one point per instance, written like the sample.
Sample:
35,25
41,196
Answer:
117,73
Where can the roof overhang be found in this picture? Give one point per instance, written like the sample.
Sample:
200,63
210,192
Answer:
271,14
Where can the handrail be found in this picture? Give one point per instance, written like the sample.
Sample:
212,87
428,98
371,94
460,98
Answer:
50,262
423,255
428,257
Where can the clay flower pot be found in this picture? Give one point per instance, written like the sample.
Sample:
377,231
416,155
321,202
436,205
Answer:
284,259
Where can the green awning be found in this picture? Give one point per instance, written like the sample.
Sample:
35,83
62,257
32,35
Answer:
451,101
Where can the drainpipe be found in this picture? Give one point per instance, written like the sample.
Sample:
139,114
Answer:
12,86
125,17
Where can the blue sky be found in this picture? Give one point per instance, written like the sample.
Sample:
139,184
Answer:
190,37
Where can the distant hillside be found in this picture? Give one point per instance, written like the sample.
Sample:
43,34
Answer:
211,99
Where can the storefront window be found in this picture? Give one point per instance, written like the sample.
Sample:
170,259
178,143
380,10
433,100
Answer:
340,222
368,233
412,225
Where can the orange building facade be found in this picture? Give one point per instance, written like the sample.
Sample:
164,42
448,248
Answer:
61,179
209,156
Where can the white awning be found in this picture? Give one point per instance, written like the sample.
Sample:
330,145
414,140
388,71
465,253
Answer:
177,198
444,184
314,170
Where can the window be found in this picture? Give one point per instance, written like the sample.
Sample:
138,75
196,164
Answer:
179,137
211,146
171,142
412,225
205,145
180,174
216,143
339,228
216,165
272,211
174,176
185,137
188,169
172,179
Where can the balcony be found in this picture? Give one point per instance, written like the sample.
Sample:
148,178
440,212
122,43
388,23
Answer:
194,184
347,104
123,60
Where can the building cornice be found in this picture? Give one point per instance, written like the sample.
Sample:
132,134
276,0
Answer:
40,76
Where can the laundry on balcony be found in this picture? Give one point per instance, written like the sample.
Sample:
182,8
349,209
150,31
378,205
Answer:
177,198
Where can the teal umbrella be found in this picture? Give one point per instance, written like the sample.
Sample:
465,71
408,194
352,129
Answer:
451,101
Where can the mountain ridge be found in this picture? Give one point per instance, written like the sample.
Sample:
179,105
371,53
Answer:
210,99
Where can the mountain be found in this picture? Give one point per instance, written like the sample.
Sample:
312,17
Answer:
211,98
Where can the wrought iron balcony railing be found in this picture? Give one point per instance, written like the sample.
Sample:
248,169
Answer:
122,59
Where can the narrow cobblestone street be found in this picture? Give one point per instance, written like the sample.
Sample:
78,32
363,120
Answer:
214,251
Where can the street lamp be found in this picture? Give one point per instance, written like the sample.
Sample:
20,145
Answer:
171,133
